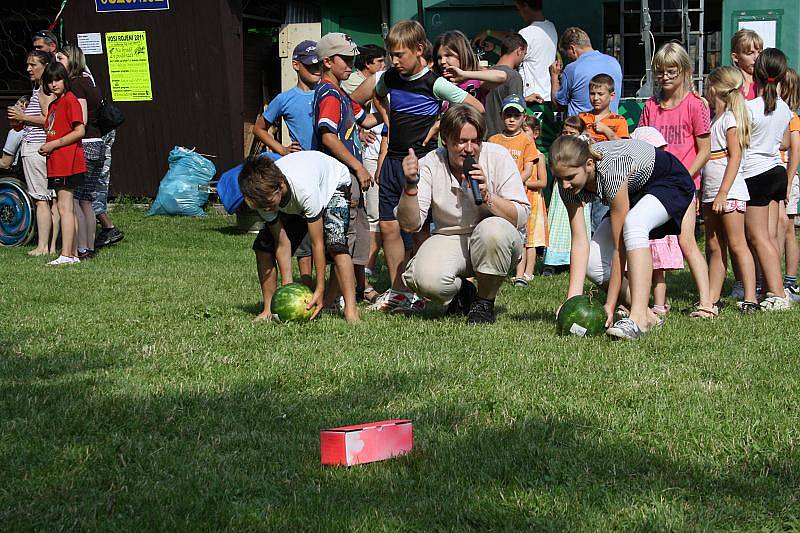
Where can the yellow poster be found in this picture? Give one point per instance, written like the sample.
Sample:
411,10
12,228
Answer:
128,66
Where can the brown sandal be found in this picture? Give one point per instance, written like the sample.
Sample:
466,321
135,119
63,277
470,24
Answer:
701,311
370,294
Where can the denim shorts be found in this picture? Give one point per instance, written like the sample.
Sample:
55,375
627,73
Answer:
335,222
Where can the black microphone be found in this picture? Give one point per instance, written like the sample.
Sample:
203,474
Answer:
469,164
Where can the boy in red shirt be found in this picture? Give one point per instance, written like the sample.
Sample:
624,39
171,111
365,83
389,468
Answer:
66,163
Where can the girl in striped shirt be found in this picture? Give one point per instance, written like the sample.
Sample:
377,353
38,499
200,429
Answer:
648,191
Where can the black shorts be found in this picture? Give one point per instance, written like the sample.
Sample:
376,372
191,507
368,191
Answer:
769,186
392,184
69,182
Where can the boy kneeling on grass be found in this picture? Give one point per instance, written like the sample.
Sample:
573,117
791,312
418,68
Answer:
301,193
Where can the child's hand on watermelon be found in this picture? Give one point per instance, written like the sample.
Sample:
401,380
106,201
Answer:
316,302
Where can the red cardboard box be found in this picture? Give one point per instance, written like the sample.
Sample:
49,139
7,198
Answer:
365,443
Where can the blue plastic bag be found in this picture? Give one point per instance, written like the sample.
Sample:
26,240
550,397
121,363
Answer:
228,185
183,190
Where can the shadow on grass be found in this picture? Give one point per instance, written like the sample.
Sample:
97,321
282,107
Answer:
246,455
253,309
231,230
543,317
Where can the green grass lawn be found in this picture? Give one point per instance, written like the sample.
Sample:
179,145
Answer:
137,393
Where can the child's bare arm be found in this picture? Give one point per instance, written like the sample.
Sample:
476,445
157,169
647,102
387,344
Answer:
371,120
491,78
261,130
317,237
77,133
703,143
579,250
527,171
538,179
340,152
474,102
794,157
364,92
6,161
604,129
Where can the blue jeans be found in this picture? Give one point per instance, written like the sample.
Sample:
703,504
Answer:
599,211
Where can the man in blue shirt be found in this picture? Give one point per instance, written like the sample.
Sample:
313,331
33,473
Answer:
295,105
570,89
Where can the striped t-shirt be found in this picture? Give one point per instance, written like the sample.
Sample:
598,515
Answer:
31,132
414,106
622,159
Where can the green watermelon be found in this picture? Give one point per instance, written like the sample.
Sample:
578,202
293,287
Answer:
290,301
581,316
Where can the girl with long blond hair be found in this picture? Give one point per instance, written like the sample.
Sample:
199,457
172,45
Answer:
684,120
724,194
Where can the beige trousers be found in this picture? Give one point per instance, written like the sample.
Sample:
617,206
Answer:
494,248
371,196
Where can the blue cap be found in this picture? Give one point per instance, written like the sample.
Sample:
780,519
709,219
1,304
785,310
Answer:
306,53
515,101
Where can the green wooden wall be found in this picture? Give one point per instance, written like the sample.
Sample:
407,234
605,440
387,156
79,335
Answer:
473,16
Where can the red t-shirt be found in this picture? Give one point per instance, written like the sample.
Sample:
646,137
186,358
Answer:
62,115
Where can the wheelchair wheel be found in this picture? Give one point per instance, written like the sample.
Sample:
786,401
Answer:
17,221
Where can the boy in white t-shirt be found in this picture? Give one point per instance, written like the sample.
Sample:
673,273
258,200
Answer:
542,39
303,193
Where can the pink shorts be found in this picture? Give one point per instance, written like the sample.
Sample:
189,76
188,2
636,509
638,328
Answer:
733,206
666,253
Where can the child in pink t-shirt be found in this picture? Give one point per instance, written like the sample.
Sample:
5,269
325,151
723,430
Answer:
454,59
684,120
746,45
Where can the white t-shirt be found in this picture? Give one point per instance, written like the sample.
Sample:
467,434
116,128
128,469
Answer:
766,135
312,177
372,151
714,170
541,37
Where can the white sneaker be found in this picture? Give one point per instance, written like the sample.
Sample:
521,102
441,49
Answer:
64,260
392,301
625,329
776,303
793,293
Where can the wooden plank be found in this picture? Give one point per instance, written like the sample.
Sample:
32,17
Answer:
195,53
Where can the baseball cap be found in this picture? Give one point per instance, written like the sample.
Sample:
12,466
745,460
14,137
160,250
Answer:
650,135
47,35
515,101
336,44
306,53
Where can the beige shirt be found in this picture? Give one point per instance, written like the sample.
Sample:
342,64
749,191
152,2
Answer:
449,199
351,84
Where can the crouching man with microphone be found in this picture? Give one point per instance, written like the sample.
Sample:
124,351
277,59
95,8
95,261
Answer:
477,201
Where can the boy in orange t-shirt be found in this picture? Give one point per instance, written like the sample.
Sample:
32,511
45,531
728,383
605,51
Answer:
524,152
601,123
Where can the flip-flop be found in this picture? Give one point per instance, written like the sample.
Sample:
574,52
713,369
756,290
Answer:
370,294
708,313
